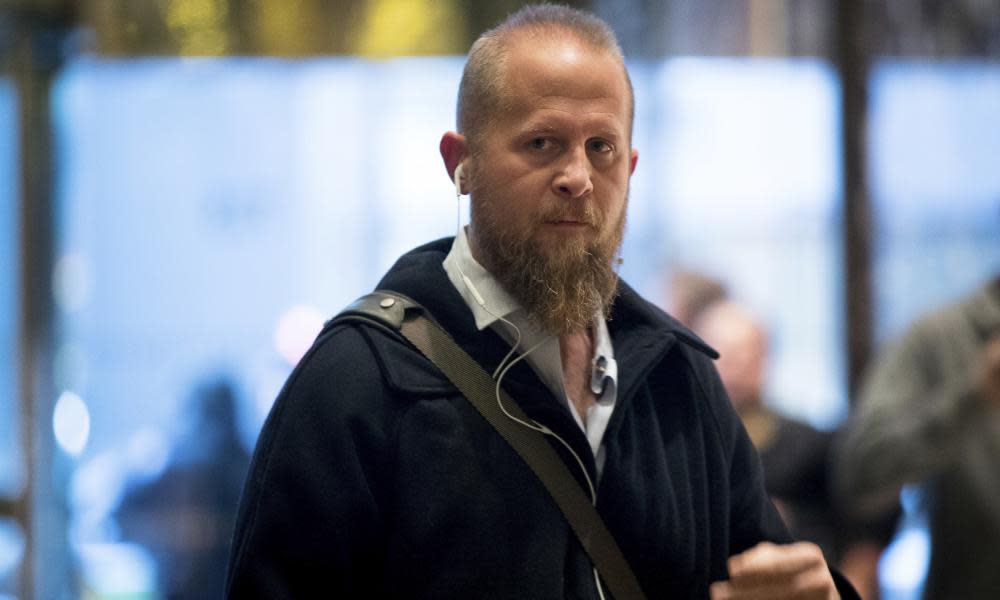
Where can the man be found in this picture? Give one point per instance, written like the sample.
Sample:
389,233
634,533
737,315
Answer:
929,415
375,477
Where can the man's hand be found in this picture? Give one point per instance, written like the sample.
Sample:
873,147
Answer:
771,572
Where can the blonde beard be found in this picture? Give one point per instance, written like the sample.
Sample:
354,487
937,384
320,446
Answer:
561,287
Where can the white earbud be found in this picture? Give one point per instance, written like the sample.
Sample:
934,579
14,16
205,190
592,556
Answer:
468,282
458,179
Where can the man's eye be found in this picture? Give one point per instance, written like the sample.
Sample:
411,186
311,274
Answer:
600,146
540,143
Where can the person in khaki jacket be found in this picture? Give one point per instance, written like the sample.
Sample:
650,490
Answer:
929,415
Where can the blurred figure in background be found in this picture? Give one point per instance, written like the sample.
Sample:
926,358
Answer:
185,517
795,456
929,414
690,292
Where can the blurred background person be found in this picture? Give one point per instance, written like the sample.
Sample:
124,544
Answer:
689,292
185,517
929,415
795,456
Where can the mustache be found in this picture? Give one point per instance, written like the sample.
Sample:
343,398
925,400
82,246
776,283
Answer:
582,212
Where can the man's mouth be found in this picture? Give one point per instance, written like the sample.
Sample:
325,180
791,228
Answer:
567,225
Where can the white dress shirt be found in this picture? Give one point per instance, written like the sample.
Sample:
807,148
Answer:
546,359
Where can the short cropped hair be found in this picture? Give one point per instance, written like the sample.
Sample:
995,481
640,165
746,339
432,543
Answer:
480,94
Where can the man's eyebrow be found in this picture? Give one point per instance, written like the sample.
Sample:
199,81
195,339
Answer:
538,128
599,130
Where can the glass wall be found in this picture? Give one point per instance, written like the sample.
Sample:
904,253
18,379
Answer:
935,147
11,457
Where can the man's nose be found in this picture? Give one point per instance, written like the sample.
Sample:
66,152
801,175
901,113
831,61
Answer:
573,179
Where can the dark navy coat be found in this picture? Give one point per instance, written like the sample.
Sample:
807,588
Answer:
373,477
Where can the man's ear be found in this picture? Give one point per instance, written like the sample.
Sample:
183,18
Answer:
632,160
454,150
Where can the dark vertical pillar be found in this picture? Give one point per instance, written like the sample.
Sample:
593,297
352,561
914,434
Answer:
35,304
41,510
853,59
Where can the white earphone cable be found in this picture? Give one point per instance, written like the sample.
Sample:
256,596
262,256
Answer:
538,426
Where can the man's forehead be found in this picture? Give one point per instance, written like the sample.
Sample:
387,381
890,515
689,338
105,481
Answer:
547,73
556,56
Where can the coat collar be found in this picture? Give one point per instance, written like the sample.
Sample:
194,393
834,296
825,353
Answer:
642,333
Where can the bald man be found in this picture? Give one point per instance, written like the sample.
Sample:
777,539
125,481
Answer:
375,477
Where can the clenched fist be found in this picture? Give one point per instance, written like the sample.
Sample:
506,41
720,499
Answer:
772,572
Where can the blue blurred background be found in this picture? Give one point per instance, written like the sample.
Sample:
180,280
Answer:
194,197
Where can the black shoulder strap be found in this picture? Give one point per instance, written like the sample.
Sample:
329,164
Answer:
396,312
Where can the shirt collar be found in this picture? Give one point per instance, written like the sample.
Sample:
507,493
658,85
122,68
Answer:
460,263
